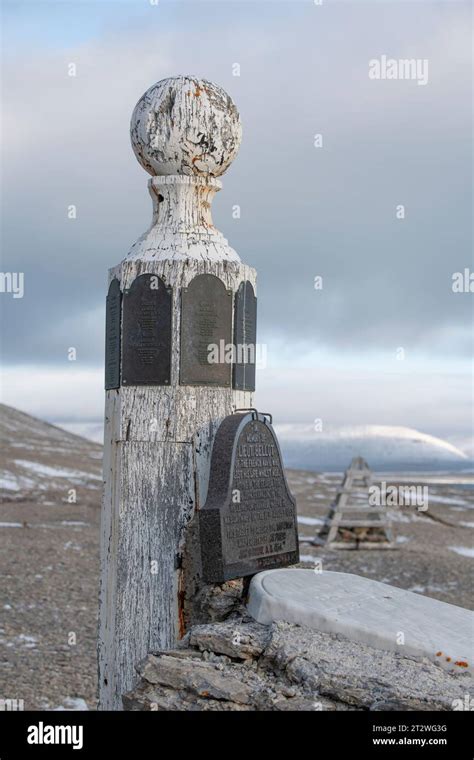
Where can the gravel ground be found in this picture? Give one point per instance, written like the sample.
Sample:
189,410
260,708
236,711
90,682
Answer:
49,559
425,560
48,601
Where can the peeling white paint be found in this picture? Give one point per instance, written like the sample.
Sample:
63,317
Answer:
185,132
185,125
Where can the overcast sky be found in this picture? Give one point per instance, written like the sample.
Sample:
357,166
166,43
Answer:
305,211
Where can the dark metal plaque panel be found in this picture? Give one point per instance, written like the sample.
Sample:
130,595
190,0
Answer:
146,343
248,522
206,321
245,337
112,336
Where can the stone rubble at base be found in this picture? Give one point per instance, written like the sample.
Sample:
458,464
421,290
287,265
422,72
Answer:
242,665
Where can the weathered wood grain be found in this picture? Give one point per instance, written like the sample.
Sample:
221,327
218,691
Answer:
158,439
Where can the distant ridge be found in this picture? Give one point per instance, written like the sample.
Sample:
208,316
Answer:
37,458
384,448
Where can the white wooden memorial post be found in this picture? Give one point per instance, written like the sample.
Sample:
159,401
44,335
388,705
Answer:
163,405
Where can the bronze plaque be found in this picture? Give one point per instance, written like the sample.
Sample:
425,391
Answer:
146,345
112,336
248,523
245,337
206,327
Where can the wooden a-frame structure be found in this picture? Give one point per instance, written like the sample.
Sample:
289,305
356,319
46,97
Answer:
352,523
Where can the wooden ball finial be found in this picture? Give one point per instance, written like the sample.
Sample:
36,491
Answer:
185,126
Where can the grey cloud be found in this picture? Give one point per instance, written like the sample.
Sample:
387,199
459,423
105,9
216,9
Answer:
305,211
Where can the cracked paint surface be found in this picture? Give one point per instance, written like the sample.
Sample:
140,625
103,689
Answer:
187,126
185,132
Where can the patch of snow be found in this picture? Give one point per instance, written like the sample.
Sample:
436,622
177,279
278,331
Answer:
445,500
11,525
307,558
72,703
71,545
465,551
448,478
56,472
310,520
404,517
433,588
9,482
29,642
429,589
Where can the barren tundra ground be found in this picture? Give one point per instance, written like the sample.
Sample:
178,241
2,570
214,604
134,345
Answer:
49,555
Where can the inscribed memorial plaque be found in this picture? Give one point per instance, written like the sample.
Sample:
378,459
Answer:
245,337
146,346
248,522
112,336
206,325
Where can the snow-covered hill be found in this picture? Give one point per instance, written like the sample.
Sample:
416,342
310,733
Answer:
37,458
383,447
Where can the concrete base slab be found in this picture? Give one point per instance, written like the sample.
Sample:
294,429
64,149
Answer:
367,611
